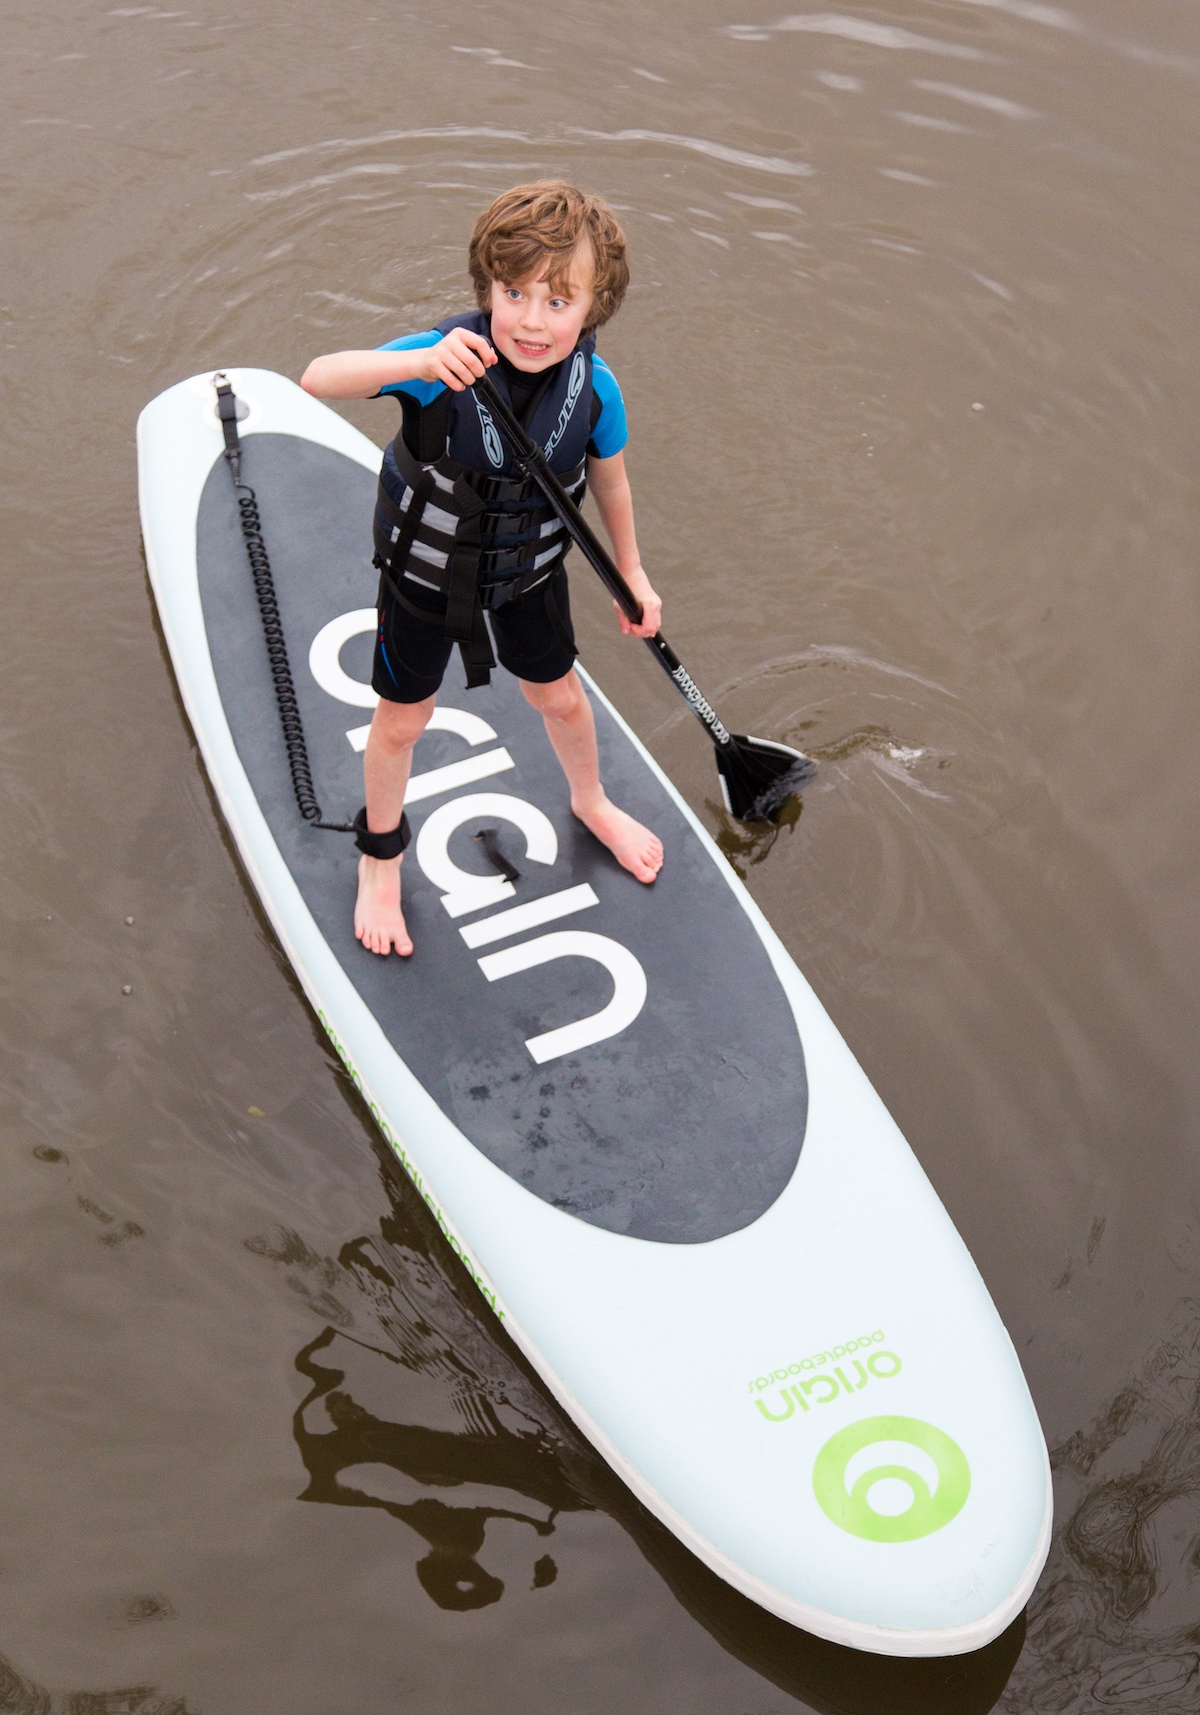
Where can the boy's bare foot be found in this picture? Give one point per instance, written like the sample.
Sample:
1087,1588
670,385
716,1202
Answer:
378,919
634,847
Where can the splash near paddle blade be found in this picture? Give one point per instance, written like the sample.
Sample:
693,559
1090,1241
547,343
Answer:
758,776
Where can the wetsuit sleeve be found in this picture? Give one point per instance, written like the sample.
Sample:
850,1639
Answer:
424,392
611,431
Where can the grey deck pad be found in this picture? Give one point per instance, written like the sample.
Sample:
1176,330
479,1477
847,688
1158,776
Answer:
683,1127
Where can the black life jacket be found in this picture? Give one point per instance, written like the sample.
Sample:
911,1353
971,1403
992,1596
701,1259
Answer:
462,520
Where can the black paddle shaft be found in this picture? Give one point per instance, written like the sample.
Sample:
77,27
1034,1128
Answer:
534,462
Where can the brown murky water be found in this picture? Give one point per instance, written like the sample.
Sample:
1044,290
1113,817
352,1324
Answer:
911,361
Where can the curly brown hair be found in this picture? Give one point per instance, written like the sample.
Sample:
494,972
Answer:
544,222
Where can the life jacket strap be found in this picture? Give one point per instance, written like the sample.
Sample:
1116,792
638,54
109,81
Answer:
464,620
502,491
490,559
508,542
466,626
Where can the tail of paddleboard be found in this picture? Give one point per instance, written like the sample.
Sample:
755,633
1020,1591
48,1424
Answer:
624,1106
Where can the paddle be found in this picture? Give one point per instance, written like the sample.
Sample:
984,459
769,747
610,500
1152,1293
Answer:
757,776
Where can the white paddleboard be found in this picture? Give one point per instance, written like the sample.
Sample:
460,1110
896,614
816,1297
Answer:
625,1107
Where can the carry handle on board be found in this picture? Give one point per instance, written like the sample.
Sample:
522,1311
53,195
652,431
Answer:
757,776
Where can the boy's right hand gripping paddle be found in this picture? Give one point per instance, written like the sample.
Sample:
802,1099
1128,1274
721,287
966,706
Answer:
757,775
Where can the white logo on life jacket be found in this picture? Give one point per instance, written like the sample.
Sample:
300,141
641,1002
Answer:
491,436
574,389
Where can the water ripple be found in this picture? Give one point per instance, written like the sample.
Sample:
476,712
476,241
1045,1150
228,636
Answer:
855,30
435,133
975,98
703,146
377,139
1052,16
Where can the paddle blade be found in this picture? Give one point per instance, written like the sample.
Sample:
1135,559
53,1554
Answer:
758,776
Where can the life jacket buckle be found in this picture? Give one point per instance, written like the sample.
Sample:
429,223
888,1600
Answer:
499,594
497,537
493,596
497,563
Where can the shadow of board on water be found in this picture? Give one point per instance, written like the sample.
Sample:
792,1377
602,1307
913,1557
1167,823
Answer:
397,1299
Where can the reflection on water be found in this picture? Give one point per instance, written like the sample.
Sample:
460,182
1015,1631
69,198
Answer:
358,1441
21,1696
1116,1619
748,843
458,1434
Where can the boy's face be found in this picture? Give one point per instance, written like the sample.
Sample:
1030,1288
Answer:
535,325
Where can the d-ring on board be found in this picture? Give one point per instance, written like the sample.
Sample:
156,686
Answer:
464,892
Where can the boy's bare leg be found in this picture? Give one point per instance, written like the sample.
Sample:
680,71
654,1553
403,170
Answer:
564,707
387,762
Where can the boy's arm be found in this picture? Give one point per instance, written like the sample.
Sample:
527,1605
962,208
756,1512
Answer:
609,487
455,361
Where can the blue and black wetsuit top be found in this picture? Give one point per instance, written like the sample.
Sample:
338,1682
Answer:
608,427
455,514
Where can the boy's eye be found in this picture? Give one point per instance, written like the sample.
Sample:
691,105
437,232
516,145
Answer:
513,294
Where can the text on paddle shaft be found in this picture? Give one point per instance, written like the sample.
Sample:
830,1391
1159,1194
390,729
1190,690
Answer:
700,703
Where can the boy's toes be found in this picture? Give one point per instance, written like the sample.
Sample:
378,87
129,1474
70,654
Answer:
649,860
382,937
652,853
634,847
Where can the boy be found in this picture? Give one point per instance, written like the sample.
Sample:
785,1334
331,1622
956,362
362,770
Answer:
458,528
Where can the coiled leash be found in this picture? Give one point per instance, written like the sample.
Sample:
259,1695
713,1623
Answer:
374,845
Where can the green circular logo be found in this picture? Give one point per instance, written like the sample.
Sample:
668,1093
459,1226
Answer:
865,1480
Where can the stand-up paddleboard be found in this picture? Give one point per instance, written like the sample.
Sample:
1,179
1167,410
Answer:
628,1112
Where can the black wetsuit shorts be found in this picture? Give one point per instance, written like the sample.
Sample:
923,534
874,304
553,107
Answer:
411,654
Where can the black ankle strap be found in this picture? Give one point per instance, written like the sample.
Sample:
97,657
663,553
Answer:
380,845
